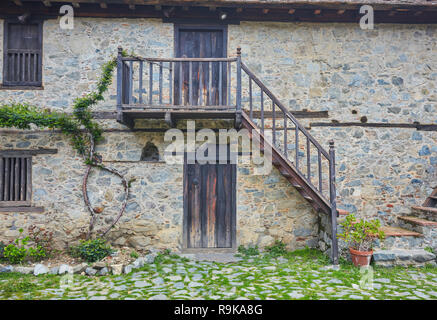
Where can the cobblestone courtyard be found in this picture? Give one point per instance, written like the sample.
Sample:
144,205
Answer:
304,274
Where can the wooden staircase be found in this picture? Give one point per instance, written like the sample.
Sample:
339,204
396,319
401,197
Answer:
294,151
183,88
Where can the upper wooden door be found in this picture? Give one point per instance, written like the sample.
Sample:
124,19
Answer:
201,42
209,205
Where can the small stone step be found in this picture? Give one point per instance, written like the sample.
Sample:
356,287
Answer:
396,237
428,213
399,232
419,221
403,257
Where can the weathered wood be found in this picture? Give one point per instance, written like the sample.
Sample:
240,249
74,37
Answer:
332,195
21,209
26,152
2,176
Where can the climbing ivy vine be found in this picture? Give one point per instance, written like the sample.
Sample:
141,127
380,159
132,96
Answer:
80,127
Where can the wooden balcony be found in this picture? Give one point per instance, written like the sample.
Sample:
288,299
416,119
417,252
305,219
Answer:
178,88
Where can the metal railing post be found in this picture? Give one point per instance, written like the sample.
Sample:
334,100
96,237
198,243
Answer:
119,83
238,98
332,193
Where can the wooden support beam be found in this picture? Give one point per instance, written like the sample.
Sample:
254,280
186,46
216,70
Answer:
317,11
26,152
291,11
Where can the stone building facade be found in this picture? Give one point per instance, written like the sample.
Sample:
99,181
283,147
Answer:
375,82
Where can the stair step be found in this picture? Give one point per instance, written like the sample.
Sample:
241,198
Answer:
425,209
342,212
419,221
399,232
428,213
403,257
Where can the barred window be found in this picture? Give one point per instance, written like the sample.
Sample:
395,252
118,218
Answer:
22,61
15,181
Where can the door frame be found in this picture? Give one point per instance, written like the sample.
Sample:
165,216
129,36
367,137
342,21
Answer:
200,27
233,247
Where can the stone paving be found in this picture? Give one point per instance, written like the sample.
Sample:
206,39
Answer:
174,277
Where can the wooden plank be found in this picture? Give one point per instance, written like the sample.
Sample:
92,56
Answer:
17,179
21,209
211,204
23,177
160,83
7,179
29,179
26,152
11,180
140,83
2,177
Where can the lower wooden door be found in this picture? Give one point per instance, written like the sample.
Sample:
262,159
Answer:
209,205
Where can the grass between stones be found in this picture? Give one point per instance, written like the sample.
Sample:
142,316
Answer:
302,274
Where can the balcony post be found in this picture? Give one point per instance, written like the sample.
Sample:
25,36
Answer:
238,97
332,193
119,84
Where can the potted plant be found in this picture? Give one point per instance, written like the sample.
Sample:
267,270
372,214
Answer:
359,235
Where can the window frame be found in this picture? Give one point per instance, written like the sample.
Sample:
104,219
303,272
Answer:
28,181
23,84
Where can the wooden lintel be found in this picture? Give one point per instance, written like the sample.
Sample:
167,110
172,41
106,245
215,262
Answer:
26,152
22,209
291,11
317,11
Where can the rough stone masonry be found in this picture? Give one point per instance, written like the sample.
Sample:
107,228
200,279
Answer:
385,75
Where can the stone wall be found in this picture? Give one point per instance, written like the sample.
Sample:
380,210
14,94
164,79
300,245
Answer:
268,208
385,75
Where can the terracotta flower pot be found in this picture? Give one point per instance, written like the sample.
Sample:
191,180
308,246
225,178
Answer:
361,258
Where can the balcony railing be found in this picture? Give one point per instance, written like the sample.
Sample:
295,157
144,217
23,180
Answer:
178,83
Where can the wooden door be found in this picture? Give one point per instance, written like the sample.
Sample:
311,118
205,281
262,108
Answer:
200,42
209,205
